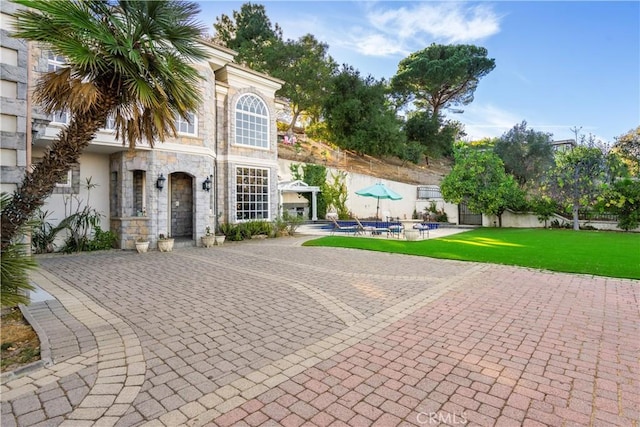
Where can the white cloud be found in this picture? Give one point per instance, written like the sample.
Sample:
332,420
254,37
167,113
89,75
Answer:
402,30
486,120
375,44
452,22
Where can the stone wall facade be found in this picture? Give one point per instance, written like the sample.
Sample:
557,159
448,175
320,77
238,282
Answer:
14,121
126,179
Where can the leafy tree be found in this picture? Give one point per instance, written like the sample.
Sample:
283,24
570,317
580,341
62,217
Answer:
441,76
305,67
484,143
628,146
576,179
410,151
250,33
526,153
128,59
478,179
544,207
435,134
358,115
623,199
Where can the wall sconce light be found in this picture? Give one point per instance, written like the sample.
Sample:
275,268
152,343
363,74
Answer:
206,185
160,182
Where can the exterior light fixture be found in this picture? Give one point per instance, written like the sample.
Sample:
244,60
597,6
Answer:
160,182
206,185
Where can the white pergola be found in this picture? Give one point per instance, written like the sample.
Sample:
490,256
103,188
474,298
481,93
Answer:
300,187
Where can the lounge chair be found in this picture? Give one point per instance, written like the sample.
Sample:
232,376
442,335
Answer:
343,228
371,229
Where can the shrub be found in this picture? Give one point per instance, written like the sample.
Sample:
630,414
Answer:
622,198
14,265
433,213
255,228
14,281
231,231
292,223
102,240
43,233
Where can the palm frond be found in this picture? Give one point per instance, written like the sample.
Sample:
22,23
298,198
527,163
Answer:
138,51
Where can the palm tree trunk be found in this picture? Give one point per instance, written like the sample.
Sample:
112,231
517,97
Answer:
59,158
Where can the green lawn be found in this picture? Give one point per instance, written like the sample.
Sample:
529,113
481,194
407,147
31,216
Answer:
600,253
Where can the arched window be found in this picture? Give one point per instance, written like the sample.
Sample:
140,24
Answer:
252,122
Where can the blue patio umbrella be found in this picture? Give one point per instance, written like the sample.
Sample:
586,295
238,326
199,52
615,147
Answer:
379,191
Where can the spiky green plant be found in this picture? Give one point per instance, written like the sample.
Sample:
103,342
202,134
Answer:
15,263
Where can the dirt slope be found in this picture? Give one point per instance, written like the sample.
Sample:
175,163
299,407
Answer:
392,168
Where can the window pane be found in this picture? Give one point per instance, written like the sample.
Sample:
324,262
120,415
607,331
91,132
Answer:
253,196
251,122
186,126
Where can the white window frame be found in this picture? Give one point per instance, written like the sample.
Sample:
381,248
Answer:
251,122
68,182
54,63
181,123
247,196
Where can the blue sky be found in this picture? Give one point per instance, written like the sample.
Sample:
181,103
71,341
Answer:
559,65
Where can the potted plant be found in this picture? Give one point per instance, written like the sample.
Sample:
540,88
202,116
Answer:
165,243
208,240
142,245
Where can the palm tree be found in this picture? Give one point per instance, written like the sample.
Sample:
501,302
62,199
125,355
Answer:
127,59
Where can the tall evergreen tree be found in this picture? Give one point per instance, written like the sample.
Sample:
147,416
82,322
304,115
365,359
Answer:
441,76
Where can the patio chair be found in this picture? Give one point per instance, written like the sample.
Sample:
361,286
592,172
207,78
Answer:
422,228
371,229
343,228
396,230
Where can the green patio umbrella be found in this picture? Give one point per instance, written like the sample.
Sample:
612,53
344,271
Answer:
379,191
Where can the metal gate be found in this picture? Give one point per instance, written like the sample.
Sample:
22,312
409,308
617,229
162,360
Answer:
466,217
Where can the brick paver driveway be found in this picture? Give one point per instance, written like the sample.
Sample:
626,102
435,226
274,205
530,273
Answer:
271,333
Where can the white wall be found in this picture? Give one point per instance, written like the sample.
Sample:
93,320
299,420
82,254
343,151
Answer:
365,207
512,219
92,165
530,220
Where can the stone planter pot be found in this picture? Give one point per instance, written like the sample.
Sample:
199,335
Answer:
220,239
208,241
165,245
412,234
142,247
